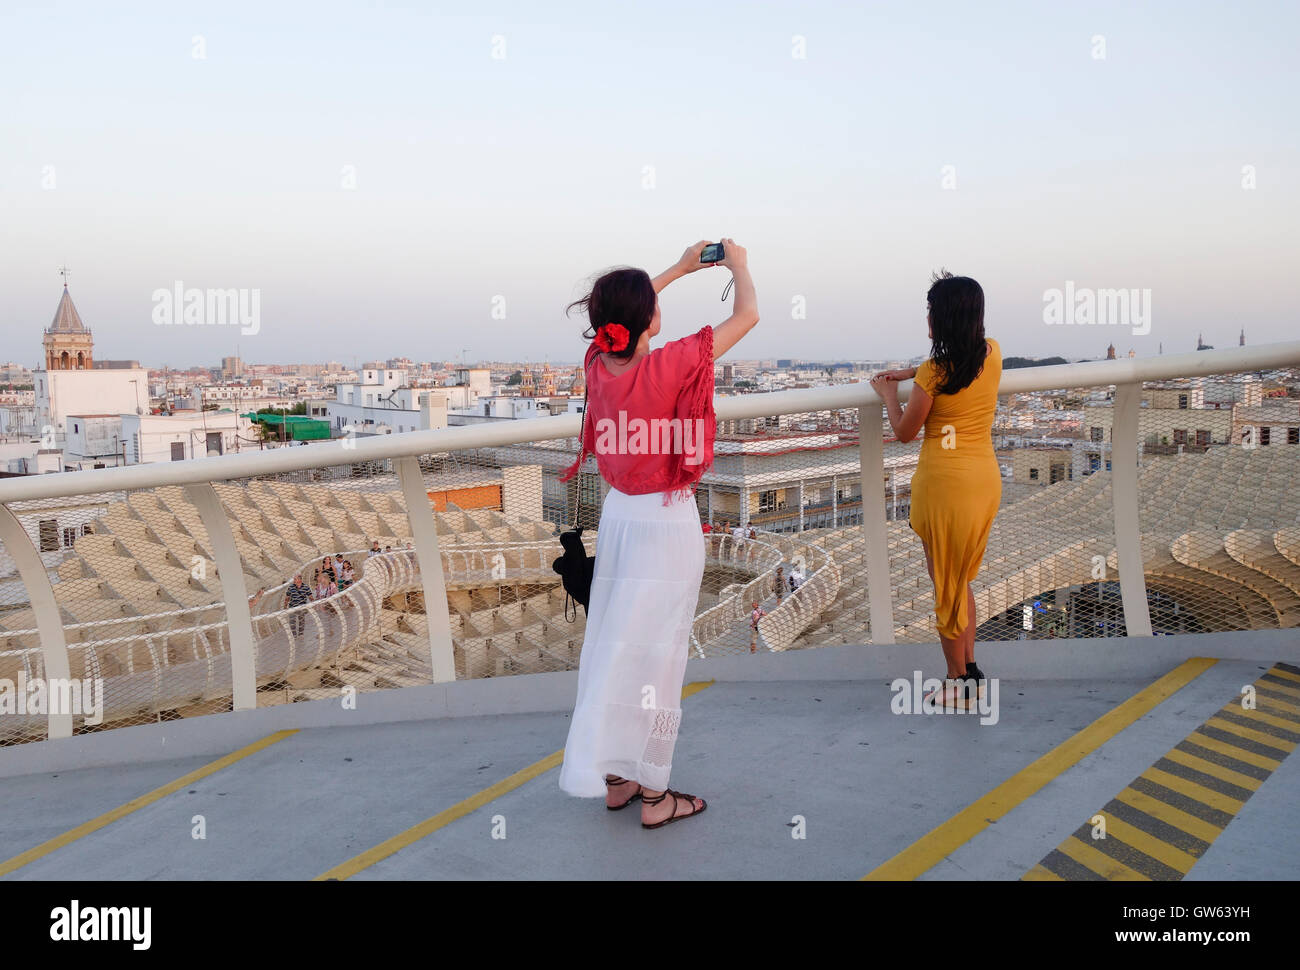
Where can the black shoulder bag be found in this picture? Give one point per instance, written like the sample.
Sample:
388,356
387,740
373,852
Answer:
575,567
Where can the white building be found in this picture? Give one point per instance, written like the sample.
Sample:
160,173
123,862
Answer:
93,441
507,407
29,458
382,408
185,434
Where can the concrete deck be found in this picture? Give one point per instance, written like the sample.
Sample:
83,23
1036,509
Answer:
776,738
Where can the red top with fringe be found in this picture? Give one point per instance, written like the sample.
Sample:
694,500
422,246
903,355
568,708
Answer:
652,427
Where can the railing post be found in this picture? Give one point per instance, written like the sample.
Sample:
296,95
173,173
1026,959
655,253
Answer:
875,530
1124,502
424,531
49,624
230,570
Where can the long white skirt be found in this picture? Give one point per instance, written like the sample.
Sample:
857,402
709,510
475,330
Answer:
649,564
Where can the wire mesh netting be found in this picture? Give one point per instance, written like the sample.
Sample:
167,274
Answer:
1219,506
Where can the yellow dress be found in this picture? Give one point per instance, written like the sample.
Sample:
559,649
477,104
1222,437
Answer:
957,486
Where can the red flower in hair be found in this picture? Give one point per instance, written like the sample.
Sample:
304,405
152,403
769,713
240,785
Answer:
611,337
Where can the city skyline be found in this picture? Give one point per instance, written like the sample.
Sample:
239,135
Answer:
387,179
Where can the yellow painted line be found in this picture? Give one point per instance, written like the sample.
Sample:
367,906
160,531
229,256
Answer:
1217,771
415,833
1250,734
1285,674
1148,844
108,818
1100,863
1206,796
930,849
1232,751
1041,874
1170,815
690,690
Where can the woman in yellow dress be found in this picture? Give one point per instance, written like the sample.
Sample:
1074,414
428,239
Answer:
957,486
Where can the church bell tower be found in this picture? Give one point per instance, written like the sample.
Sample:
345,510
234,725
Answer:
68,344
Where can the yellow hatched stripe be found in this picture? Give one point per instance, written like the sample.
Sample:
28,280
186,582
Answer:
1206,796
1225,724
1145,842
1286,689
1210,768
1198,827
1100,863
1231,727
1264,703
1263,717
1041,874
1241,754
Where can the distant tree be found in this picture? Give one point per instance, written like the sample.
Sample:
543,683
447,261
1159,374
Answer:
744,383
516,378
299,408
1011,363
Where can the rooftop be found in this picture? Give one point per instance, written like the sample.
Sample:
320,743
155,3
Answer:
66,318
410,785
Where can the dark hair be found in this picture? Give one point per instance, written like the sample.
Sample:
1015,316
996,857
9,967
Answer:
624,296
957,330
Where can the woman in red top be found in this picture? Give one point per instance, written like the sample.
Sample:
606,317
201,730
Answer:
650,425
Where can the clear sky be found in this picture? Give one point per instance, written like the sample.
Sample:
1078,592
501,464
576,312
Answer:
479,176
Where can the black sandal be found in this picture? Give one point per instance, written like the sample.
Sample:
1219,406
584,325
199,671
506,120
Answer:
622,781
674,816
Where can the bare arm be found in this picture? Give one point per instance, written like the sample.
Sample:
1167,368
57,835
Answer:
689,263
907,423
744,308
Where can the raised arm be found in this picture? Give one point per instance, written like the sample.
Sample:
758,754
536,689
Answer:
744,308
689,263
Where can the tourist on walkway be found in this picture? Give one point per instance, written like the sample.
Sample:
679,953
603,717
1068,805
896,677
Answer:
297,594
957,485
325,586
755,615
649,560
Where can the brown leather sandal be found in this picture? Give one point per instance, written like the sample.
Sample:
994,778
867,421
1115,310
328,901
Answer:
615,784
674,817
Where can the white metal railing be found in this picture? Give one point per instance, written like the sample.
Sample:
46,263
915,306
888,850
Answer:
1126,375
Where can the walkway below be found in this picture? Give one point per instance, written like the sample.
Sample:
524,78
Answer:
808,772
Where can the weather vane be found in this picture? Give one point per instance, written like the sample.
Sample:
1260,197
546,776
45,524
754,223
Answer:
65,273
